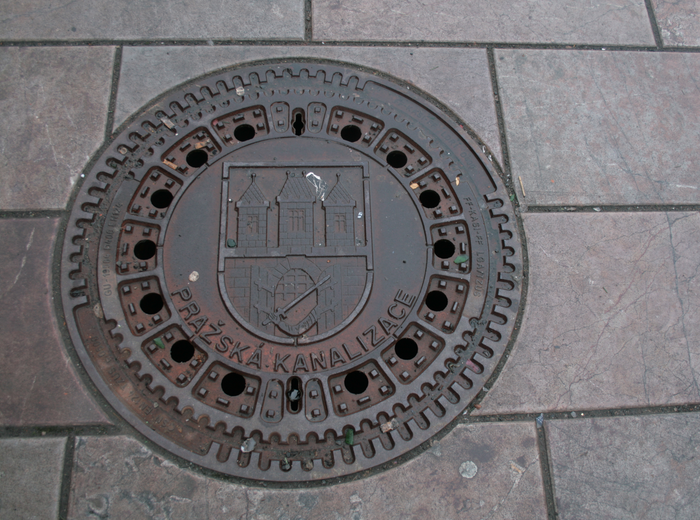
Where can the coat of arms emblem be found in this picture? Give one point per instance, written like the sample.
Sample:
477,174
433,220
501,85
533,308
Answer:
295,255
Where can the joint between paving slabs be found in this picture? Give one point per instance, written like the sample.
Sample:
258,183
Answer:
654,24
308,20
116,71
346,43
546,472
611,208
66,478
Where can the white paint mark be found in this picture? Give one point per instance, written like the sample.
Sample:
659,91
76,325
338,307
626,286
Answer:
248,445
22,262
319,185
468,469
194,276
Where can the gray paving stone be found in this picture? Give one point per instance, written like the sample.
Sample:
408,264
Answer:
38,385
459,78
54,104
561,21
147,20
678,21
611,317
30,477
627,468
592,127
117,477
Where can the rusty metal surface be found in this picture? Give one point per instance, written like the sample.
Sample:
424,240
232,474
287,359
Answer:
291,272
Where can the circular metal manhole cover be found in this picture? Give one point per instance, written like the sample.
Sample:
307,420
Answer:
292,271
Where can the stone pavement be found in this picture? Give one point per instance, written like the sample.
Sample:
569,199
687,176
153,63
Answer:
592,112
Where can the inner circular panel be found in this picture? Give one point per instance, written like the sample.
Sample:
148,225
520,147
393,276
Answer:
308,268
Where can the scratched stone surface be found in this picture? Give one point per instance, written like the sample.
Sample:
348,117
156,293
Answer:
143,19
30,477
591,127
611,319
116,477
54,103
458,78
679,22
636,468
563,21
38,385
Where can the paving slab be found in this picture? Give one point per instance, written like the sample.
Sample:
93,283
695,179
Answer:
38,385
476,471
147,20
678,21
558,21
611,316
594,127
54,103
636,468
459,78
30,477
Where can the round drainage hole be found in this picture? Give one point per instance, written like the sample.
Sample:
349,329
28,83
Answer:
244,132
356,382
145,249
351,133
444,248
397,159
233,384
151,303
197,158
161,199
429,199
436,301
406,348
182,351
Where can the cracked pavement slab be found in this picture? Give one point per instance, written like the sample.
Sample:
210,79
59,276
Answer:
117,477
135,19
569,21
31,477
610,320
54,103
38,385
591,127
639,468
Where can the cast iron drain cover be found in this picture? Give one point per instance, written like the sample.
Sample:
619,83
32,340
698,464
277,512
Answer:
291,271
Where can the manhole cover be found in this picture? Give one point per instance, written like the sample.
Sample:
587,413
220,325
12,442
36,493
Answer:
291,271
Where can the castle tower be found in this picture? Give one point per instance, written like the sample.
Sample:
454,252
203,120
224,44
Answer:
252,217
340,224
296,218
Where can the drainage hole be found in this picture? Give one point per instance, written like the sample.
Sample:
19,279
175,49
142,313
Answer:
429,199
244,133
351,133
406,348
397,159
298,124
444,248
436,301
233,384
161,199
145,249
151,303
197,158
182,351
356,382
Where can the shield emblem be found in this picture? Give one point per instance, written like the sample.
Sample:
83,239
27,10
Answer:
295,253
